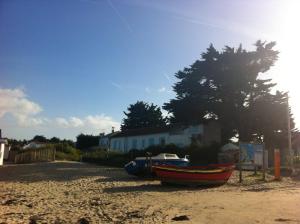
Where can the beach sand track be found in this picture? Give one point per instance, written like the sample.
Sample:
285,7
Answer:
71,192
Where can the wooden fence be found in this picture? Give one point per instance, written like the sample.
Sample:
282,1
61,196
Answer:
36,155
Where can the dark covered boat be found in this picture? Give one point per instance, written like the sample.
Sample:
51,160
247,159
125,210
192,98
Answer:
142,165
211,175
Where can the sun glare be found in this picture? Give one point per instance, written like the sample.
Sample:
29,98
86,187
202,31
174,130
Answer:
288,38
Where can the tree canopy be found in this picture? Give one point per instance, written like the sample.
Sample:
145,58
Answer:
141,115
228,86
40,138
84,142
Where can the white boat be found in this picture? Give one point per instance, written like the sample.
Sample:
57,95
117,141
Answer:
140,165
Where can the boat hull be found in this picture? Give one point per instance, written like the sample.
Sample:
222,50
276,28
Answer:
194,175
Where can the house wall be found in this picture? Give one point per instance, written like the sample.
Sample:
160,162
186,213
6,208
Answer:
2,145
179,137
125,144
6,151
104,142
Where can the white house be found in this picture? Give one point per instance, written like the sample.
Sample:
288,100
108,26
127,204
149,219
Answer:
104,140
180,135
6,151
3,142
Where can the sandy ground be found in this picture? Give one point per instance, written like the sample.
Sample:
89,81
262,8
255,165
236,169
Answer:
70,192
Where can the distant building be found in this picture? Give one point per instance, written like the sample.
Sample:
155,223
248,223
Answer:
3,143
34,145
104,140
7,148
4,148
178,134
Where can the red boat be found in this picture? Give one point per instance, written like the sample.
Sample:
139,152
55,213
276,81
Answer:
217,174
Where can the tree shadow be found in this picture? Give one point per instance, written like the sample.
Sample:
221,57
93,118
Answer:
55,171
125,178
156,187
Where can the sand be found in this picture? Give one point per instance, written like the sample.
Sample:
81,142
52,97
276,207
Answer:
71,192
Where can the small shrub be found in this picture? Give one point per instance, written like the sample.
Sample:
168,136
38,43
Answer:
109,158
64,151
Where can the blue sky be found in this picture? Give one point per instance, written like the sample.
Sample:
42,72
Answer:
73,66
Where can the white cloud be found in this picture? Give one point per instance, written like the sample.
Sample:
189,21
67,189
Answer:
62,122
162,89
167,77
30,123
16,103
118,86
76,122
90,122
101,122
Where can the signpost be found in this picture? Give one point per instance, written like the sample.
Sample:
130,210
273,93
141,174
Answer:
251,156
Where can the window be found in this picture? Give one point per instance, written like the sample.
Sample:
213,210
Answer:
143,144
151,141
162,141
119,147
134,144
115,144
193,130
125,145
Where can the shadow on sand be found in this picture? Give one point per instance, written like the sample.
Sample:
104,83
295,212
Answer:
55,171
155,187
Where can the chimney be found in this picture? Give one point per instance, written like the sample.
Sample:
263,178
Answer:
0,133
112,129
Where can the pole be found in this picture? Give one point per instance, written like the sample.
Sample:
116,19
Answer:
240,165
290,152
264,163
277,164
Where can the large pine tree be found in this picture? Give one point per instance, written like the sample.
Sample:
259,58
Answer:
142,115
228,86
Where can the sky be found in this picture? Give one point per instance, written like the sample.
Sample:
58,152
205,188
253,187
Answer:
73,66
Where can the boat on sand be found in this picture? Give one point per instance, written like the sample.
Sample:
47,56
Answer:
143,165
211,175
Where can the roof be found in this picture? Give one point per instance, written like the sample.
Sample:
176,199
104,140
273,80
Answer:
148,131
110,135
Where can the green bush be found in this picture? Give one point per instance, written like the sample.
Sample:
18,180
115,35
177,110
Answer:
104,157
66,156
64,151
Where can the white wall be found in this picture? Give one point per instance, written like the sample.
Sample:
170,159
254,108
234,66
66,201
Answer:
104,142
2,145
180,137
140,142
6,151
